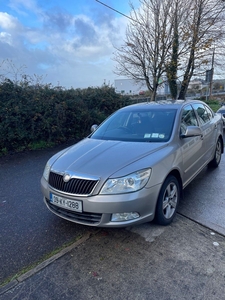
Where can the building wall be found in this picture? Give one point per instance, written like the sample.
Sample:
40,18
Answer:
129,87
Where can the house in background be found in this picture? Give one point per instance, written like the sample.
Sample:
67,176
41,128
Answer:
197,87
195,84
129,87
132,87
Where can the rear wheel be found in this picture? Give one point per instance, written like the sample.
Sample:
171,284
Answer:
217,156
168,200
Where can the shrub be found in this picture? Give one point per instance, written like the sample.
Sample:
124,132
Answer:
45,115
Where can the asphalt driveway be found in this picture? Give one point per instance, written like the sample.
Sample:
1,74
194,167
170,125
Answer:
29,232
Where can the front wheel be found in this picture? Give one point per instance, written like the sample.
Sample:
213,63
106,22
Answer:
217,156
168,200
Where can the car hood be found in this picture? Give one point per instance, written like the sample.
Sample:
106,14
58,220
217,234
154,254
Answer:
102,158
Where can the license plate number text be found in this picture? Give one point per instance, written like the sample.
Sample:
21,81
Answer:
74,205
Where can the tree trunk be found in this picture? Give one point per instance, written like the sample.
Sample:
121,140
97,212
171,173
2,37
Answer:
171,69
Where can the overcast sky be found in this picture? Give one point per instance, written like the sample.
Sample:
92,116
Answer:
68,42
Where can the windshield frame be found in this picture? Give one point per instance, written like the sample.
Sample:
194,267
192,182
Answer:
123,125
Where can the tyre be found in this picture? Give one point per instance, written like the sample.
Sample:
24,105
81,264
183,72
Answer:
214,163
168,200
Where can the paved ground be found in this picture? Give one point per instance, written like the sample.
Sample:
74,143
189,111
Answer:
182,261
26,225
204,198
185,260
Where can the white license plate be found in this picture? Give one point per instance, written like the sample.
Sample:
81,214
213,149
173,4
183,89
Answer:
74,205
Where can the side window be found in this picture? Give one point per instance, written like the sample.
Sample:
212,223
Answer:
202,112
188,118
209,112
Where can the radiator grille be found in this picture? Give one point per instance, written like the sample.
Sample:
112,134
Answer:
74,186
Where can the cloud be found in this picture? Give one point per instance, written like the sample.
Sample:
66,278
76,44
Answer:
85,31
58,20
24,7
8,22
5,38
67,48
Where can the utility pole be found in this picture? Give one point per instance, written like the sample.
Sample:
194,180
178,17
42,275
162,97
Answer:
211,77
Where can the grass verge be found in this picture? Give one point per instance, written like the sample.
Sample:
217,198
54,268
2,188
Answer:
35,264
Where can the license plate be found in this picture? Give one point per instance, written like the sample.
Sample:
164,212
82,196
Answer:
74,205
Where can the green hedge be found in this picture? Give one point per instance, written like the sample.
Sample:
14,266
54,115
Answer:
35,115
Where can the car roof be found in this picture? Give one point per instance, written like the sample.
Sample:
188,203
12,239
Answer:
221,108
166,104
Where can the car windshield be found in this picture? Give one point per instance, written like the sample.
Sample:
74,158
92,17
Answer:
153,125
221,111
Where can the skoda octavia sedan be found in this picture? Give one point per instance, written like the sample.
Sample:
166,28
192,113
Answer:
133,167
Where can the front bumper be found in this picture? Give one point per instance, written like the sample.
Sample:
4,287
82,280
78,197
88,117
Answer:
98,209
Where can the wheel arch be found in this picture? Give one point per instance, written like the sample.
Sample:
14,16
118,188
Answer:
161,212
176,174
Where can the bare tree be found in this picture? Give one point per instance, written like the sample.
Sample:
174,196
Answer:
9,71
199,34
147,44
170,39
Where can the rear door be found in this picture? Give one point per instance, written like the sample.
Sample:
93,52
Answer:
209,129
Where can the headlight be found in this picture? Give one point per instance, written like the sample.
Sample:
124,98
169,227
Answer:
46,171
127,184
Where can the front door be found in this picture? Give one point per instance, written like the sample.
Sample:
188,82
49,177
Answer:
191,147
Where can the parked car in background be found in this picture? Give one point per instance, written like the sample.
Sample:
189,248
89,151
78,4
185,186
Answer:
221,110
134,166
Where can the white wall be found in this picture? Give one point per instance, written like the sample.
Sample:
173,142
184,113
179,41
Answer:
129,87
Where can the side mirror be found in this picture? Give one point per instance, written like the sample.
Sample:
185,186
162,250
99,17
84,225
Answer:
191,131
94,127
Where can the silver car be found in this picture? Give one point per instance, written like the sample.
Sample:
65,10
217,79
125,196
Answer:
134,166
221,110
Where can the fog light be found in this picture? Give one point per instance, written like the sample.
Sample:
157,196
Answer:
120,217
